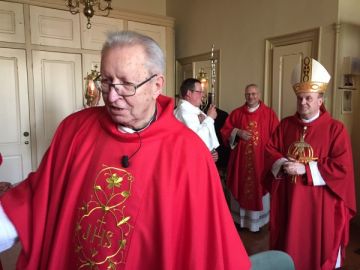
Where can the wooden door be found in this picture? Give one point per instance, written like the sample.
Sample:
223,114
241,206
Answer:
284,60
157,33
282,53
15,145
57,93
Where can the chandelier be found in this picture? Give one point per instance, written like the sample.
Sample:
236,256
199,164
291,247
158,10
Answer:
89,12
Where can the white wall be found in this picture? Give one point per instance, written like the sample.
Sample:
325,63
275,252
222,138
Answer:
349,11
349,45
239,30
157,7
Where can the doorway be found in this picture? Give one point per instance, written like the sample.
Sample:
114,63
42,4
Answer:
189,67
15,144
281,55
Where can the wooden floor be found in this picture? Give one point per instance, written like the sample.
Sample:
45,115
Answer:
8,258
253,242
257,242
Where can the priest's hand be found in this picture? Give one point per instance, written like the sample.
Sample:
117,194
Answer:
215,155
201,117
294,168
4,186
212,111
244,134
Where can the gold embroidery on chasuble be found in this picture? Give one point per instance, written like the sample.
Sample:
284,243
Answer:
249,185
103,226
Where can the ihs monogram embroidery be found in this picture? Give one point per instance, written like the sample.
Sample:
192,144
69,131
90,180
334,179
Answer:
103,227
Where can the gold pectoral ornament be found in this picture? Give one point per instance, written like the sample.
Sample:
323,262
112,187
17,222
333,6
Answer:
301,151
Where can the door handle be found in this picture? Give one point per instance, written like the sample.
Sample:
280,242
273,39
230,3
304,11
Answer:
26,134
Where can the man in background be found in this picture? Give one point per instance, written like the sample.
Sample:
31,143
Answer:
117,187
246,130
188,111
311,181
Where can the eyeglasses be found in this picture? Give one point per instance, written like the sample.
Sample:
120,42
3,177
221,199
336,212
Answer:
127,89
197,91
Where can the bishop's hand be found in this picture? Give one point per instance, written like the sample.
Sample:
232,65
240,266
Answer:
293,167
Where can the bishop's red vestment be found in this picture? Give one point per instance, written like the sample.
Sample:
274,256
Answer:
82,210
246,163
311,222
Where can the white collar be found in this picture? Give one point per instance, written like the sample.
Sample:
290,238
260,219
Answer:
253,109
312,118
125,129
130,130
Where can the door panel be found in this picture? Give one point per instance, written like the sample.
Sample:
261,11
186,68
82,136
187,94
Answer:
54,27
15,144
284,60
12,22
94,37
157,33
57,93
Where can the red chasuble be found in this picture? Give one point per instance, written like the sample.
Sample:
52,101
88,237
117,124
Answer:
246,163
82,210
311,222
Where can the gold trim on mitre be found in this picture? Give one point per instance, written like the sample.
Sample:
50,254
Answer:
310,87
310,77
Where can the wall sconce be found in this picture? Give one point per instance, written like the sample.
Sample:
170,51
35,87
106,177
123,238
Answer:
92,93
89,12
203,79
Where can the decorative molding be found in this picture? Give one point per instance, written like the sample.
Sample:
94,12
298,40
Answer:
115,13
191,61
312,35
12,22
56,28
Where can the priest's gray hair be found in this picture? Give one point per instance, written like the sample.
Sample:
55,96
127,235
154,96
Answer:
156,61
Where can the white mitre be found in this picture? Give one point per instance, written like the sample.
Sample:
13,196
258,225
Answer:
310,77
